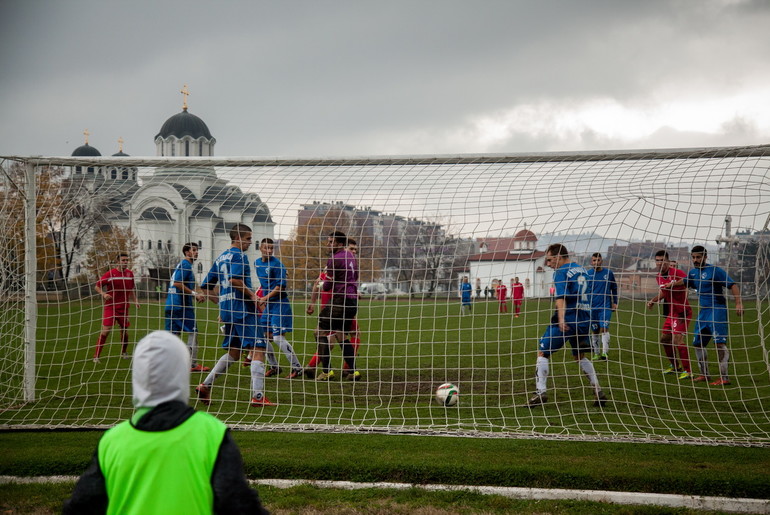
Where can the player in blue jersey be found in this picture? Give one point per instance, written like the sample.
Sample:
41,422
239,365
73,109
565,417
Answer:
603,290
276,318
465,295
238,312
180,311
571,322
710,282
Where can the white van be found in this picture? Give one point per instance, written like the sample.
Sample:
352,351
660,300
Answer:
372,289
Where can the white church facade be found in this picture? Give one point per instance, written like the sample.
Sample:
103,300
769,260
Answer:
173,205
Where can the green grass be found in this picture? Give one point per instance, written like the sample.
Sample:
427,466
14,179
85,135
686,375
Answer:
409,349
660,468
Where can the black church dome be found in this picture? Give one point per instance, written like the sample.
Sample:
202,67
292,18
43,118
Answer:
184,124
86,151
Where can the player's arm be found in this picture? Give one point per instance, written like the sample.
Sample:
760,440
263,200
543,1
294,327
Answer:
100,289
314,296
561,313
613,291
654,300
209,285
736,291
132,297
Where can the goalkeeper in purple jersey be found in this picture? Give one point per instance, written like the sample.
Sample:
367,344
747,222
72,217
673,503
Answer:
710,282
603,290
569,324
336,318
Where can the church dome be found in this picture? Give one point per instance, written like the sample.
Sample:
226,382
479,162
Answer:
120,154
525,235
86,151
184,124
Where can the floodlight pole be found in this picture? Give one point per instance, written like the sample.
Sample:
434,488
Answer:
30,282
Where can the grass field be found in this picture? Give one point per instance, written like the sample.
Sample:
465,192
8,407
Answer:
410,347
659,468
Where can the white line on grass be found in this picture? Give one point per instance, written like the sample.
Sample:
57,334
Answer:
696,502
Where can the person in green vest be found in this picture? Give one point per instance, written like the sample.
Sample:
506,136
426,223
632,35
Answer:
167,458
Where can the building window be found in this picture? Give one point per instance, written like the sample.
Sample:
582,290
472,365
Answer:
160,244
114,174
173,148
141,244
200,244
168,246
200,267
149,244
200,148
187,148
125,174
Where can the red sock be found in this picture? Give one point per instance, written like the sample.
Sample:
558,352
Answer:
123,342
313,361
684,357
100,344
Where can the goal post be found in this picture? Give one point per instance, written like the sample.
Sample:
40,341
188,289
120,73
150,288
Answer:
422,224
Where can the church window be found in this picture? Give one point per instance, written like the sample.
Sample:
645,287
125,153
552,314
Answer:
168,246
141,244
187,148
149,244
77,169
173,148
160,244
200,267
200,148
200,244
114,174
125,174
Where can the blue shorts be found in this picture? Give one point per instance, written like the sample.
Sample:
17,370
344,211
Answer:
277,318
554,338
712,323
181,320
242,334
600,318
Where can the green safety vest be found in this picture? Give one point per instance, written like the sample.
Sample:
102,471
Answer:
163,472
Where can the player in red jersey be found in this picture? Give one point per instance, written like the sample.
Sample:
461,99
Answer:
118,290
678,315
354,336
517,295
502,296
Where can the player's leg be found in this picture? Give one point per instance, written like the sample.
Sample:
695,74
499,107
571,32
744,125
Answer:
323,337
257,346
552,340
666,341
232,342
700,340
349,350
101,340
281,322
719,327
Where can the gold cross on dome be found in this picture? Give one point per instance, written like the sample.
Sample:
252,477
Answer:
185,93
120,144
86,134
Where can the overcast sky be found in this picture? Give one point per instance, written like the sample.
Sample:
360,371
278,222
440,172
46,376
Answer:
318,78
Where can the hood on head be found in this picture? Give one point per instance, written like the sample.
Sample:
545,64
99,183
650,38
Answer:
161,370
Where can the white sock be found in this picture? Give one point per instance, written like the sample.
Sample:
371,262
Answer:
595,343
192,343
703,361
270,354
590,371
605,343
542,374
257,378
220,368
724,360
288,351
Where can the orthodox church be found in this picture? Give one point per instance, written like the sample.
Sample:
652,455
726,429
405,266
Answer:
173,205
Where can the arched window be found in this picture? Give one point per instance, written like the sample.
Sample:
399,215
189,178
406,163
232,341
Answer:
173,148
141,244
114,174
149,244
160,244
200,148
200,244
125,174
187,148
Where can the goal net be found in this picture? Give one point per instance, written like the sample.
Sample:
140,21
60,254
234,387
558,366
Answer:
422,224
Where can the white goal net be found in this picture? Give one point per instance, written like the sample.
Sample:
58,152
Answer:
422,224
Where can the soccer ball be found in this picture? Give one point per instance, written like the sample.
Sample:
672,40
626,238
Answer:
447,394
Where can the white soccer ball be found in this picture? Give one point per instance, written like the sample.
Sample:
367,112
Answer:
447,394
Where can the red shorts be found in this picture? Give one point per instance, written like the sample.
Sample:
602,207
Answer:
115,314
677,324
518,302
